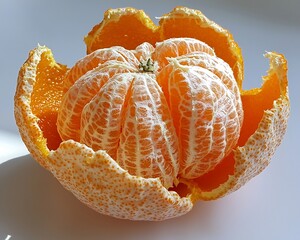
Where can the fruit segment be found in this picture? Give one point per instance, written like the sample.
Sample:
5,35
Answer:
81,93
205,116
130,119
175,47
97,58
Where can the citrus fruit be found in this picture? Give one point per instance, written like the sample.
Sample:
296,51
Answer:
154,117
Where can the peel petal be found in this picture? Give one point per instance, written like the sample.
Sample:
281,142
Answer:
99,182
26,119
127,27
253,156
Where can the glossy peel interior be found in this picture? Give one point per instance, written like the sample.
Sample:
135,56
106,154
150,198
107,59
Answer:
46,97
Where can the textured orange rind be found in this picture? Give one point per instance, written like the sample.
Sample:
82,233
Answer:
27,121
98,181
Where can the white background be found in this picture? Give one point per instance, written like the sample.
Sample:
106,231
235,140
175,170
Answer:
33,205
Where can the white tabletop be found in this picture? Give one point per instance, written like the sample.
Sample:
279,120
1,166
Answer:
11,146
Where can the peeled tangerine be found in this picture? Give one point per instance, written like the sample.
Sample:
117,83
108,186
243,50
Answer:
153,118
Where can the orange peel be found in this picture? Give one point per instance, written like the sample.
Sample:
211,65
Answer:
98,180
